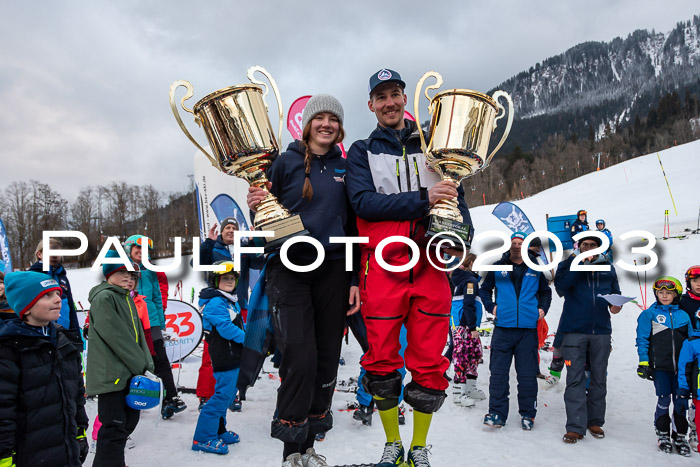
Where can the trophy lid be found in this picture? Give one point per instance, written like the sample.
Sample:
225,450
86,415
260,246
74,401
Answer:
468,93
224,93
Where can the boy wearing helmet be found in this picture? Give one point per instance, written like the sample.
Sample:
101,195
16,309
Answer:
600,225
690,301
223,331
661,330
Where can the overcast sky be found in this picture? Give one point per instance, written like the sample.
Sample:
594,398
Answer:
84,84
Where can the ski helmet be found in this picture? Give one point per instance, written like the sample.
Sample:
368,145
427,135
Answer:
582,211
228,268
139,240
692,273
600,221
668,283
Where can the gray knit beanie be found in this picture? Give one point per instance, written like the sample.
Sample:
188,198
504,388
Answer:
321,103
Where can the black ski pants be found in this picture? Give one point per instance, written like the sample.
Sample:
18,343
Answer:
308,311
162,368
118,422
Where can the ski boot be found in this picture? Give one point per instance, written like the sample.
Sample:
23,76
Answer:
364,414
236,405
320,436
171,407
202,401
460,396
402,415
527,423
552,380
664,442
312,459
494,420
230,437
214,446
392,456
293,460
473,392
418,456
681,445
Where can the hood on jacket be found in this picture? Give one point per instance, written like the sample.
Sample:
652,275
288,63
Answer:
104,285
208,293
396,136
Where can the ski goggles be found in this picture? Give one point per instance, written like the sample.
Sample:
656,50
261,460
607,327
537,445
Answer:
225,267
582,213
692,273
144,241
667,284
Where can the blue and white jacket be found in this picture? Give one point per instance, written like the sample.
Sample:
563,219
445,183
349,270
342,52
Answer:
519,294
689,365
661,330
223,328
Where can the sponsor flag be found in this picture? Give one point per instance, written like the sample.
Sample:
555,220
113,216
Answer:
5,258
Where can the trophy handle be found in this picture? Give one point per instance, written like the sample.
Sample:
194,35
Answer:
501,114
275,89
173,106
416,99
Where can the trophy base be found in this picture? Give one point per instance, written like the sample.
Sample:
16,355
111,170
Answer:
443,227
283,229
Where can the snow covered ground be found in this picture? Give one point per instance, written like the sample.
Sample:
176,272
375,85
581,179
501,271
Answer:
629,196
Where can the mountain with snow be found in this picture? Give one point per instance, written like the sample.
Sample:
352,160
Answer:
597,83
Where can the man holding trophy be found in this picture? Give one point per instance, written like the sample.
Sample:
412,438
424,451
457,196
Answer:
391,189
401,185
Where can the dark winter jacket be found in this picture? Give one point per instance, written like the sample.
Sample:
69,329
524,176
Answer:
6,313
519,294
68,318
466,284
118,347
691,305
661,330
387,184
584,312
42,398
578,226
211,251
689,365
328,214
223,328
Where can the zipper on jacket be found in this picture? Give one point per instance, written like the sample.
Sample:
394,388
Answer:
415,165
591,282
366,270
408,167
673,341
398,175
131,313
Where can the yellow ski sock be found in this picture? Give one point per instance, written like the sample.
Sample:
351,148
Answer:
390,422
421,425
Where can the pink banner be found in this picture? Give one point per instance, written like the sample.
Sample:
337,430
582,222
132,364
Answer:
294,116
407,114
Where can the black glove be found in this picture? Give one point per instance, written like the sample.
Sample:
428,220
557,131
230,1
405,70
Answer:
83,443
644,371
683,393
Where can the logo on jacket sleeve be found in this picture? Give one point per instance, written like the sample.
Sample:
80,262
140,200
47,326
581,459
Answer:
470,289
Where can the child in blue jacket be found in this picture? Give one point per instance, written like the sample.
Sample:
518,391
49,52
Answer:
661,330
688,372
224,333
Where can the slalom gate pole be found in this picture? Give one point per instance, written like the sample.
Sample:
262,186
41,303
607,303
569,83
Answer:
645,283
667,185
641,294
484,195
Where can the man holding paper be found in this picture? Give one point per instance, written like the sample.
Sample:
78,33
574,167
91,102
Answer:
585,323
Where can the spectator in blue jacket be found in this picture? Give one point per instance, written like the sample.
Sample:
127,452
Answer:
661,330
600,225
585,325
149,287
688,369
523,297
68,318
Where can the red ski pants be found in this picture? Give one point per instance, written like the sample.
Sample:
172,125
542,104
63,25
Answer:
419,299
206,381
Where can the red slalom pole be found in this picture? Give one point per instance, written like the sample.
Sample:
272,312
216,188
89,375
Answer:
641,293
484,195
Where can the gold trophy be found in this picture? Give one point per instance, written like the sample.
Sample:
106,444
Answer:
239,132
459,134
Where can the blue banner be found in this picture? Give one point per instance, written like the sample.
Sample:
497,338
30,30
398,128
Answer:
5,257
513,217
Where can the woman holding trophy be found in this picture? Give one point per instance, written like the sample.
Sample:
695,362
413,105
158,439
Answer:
309,308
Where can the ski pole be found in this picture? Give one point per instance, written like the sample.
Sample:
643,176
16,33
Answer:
667,185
